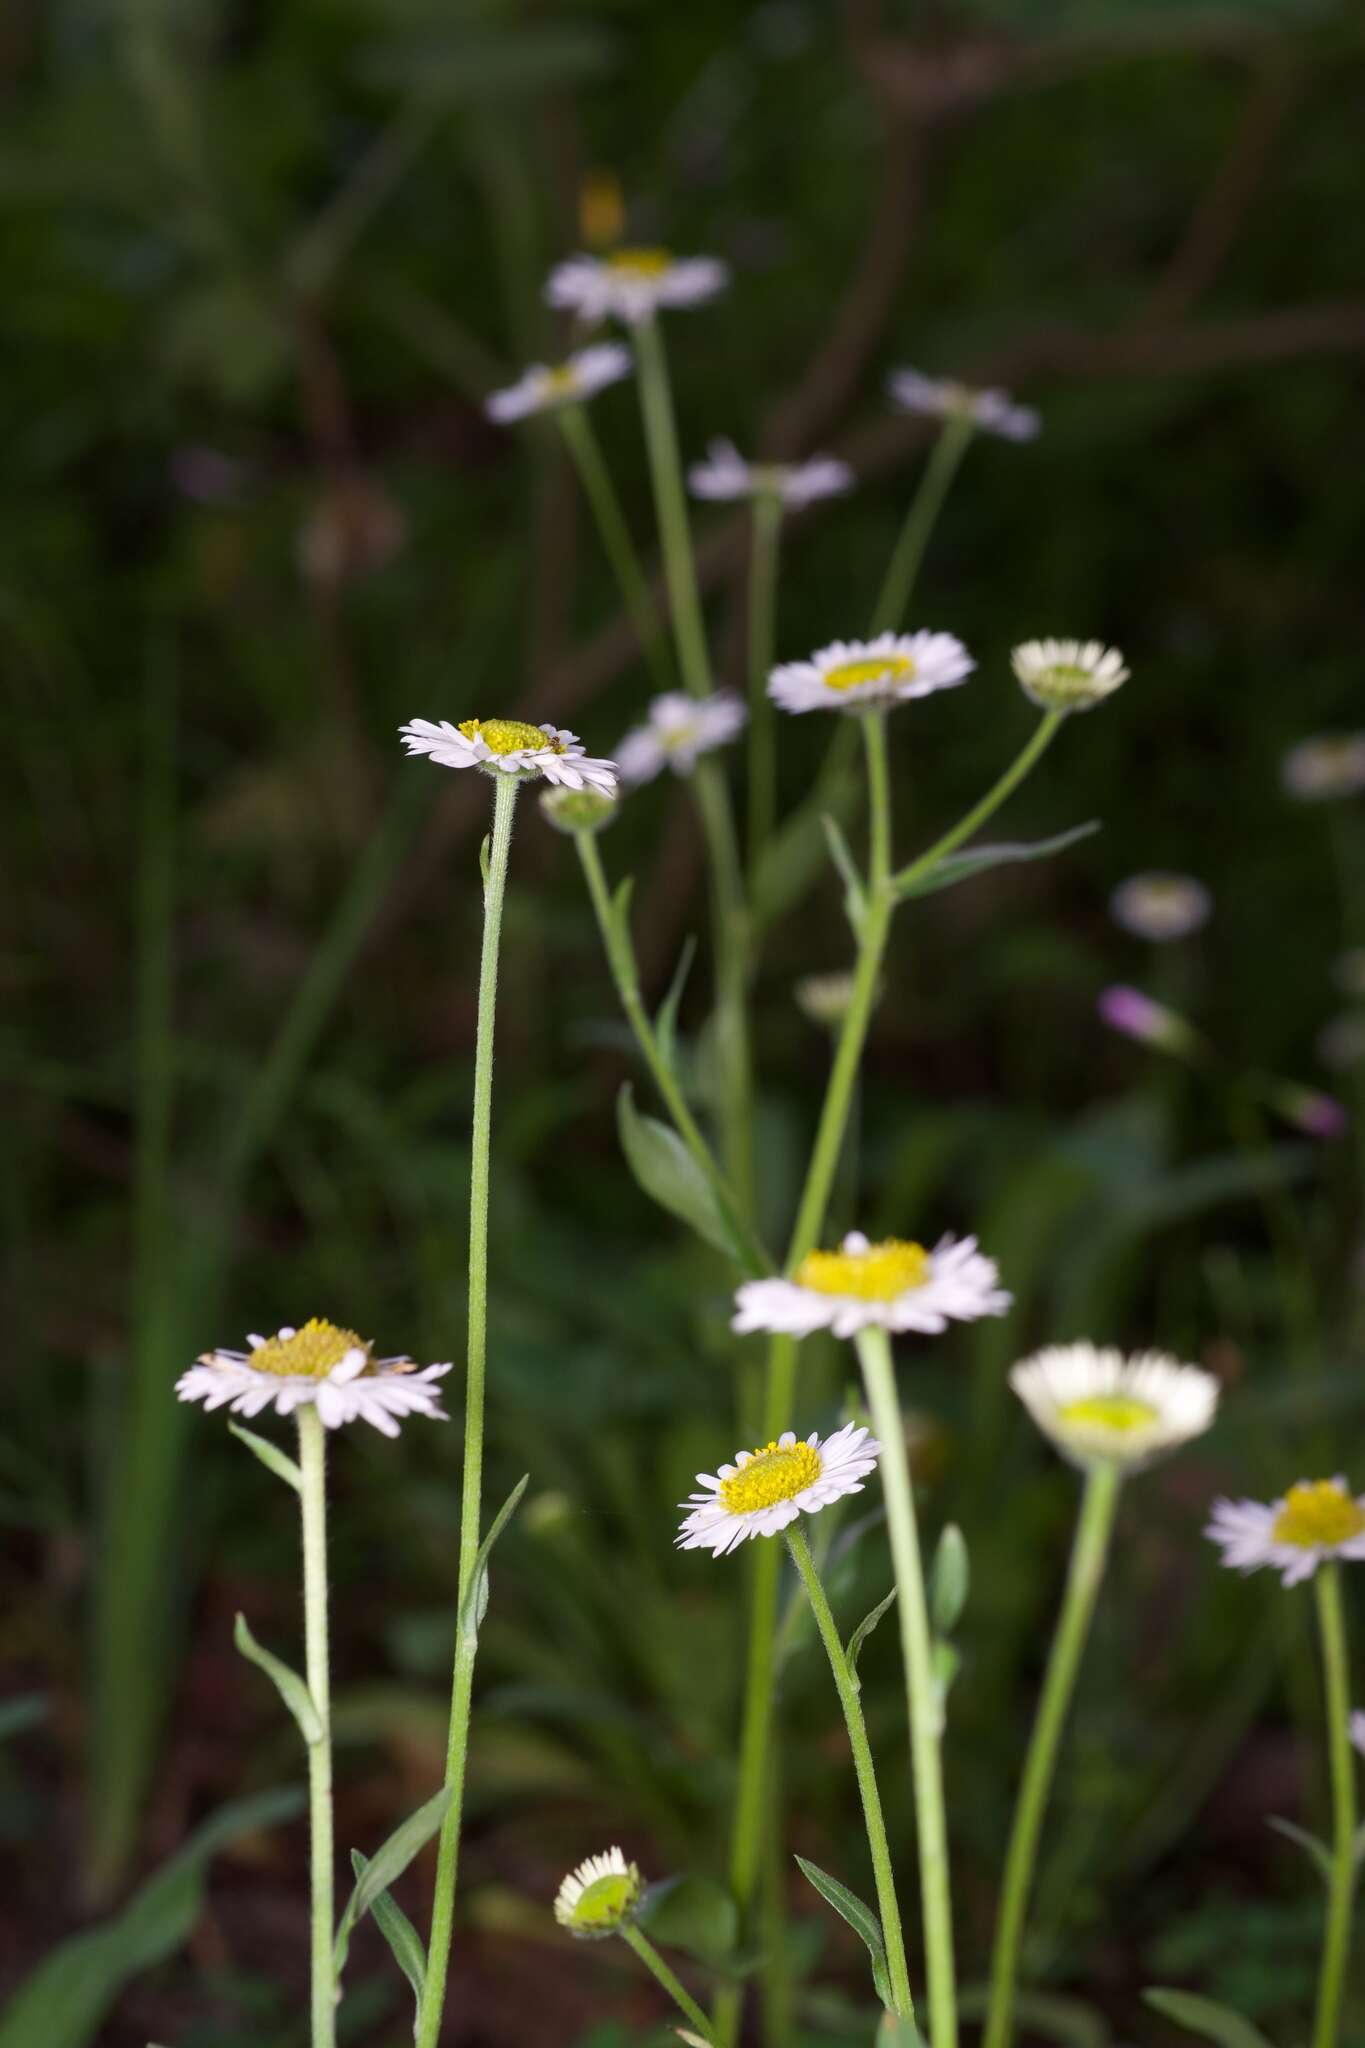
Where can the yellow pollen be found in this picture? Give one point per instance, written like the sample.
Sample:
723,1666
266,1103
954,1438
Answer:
509,736
1318,1513
639,262
879,1274
773,1473
849,674
309,1354
1118,1412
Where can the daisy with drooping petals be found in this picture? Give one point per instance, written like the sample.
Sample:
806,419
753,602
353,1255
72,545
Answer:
894,1285
599,1897
633,283
1099,1407
331,1368
725,474
1316,1521
767,1488
509,746
849,674
678,730
543,388
940,398
1161,907
1332,764
1067,675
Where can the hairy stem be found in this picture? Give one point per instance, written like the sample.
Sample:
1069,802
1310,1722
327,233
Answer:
313,1509
1336,1948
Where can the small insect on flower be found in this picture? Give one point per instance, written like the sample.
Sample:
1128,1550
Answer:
333,1368
1317,1520
1161,907
894,1285
1100,1408
676,732
725,474
1330,765
767,1488
600,1897
508,746
941,398
543,388
848,675
1067,675
633,283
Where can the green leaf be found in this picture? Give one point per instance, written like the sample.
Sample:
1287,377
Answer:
666,1170
389,1863
1212,2022
666,1022
287,1683
271,1456
1066,2020
24,1712
949,1580
618,921
861,1634
63,2004
692,1913
860,1918
1319,1851
475,1603
960,867
398,1931
485,856
947,1664
855,895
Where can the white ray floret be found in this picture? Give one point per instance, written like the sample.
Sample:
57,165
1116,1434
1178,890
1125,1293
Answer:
632,284
544,387
1068,675
599,1897
941,398
894,1285
319,1363
850,674
725,475
1316,1521
1099,1407
508,746
1161,907
767,1488
677,731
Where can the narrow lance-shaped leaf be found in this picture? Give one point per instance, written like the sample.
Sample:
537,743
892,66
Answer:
475,1604
669,1175
387,1864
1310,1844
949,1580
1205,2017
286,1682
271,1456
860,1918
860,1635
398,1931
975,860
855,895
666,1022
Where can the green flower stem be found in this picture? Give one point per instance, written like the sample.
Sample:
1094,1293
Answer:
658,1968
764,553
313,1508
921,1690
1336,1950
1088,1553
614,533
1037,744
471,1496
936,476
847,1688
670,500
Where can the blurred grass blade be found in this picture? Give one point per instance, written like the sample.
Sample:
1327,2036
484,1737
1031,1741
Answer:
398,1931
389,1863
286,1682
1203,2016
271,1456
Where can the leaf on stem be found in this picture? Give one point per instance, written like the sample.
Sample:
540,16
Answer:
286,1682
860,1635
1205,2017
475,1604
398,1931
670,1176
855,894
860,1918
949,1580
485,857
666,1022
618,924
975,860
1319,1851
271,1456
387,1864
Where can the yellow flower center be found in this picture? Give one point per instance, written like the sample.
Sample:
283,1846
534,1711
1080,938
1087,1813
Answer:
1118,1412
773,1473
509,736
849,674
879,1274
650,263
1322,1512
563,378
309,1354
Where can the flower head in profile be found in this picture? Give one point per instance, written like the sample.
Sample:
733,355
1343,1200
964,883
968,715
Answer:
1135,1015
1309,1110
848,675
600,1897
578,810
1101,1408
940,398
333,1368
725,474
1067,675
825,998
1331,764
677,731
508,746
894,1285
632,284
1316,1521
1161,907
544,388
767,1488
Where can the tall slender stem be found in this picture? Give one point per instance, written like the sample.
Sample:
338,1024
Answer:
658,1968
675,531
471,1493
614,533
936,476
1088,1553
1034,747
764,550
313,1509
1336,1948
887,1904
921,1692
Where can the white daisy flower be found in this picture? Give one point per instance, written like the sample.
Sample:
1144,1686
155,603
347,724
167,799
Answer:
941,398
678,729
767,1488
1099,1407
1161,907
891,669
1332,764
633,283
508,746
333,1368
725,474
599,1897
1315,1521
544,387
1068,675
893,1285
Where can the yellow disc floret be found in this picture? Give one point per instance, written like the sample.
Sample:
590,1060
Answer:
562,379
849,674
1322,1513
880,1273
1119,1412
309,1354
775,1472
650,263
510,736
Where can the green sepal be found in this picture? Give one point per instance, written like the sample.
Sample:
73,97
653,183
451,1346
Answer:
271,1456
287,1683
388,1863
